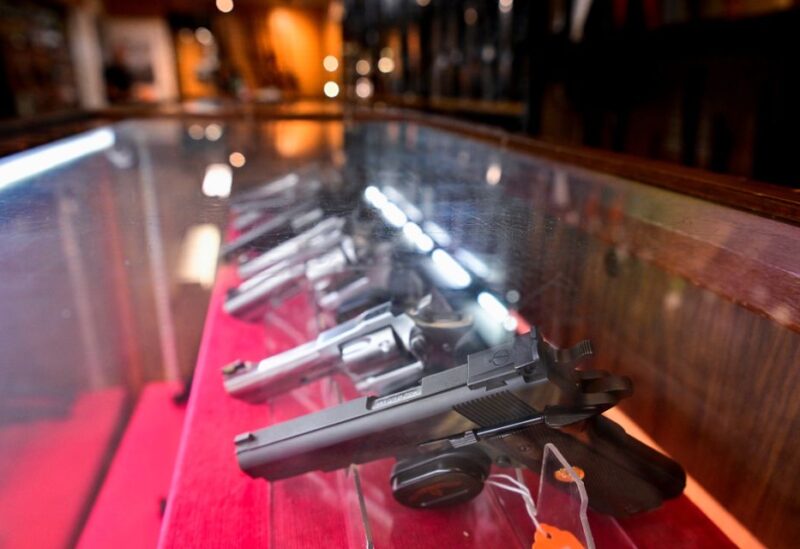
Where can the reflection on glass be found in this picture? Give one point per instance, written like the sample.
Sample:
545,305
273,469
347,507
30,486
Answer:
217,181
439,235
417,237
198,257
18,167
451,272
297,138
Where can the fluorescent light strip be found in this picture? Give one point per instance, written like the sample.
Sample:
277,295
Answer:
18,167
450,270
492,305
375,197
394,215
473,263
417,237
439,235
408,208
497,311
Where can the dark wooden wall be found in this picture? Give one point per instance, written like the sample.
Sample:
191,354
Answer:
702,313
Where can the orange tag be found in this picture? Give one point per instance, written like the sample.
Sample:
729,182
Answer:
550,537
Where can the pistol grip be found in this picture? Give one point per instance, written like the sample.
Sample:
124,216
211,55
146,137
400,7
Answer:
622,476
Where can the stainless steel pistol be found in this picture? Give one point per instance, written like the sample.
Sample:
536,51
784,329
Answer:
379,348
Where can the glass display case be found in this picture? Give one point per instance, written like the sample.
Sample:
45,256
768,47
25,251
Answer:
112,256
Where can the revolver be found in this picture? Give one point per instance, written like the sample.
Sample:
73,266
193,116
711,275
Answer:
379,349
257,205
252,297
310,243
273,230
338,268
502,406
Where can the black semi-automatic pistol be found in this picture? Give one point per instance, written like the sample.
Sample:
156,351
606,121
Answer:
501,407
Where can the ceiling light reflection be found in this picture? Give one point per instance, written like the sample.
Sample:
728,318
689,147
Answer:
375,197
393,214
217,181
18,167
494,173
439,235
417,237
493,306
198,255
408,208
451,272
473,263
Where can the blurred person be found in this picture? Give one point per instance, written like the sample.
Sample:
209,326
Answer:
118,78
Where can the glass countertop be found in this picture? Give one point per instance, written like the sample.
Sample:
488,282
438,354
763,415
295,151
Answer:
109,249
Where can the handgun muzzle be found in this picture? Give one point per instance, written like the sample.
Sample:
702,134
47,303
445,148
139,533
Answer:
303,247
252,299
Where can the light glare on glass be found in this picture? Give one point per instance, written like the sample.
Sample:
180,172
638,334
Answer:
417,237
331,89
473,263
385,65
198,256
505,5
375,197
450,270
494,173
237,159
493,306
510,323
225,6
439,235
393,214
330,63
18,167
217,181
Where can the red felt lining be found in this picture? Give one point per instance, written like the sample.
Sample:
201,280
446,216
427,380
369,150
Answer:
127,511
49,470
214,504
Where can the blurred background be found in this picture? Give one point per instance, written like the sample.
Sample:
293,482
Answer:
709,84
